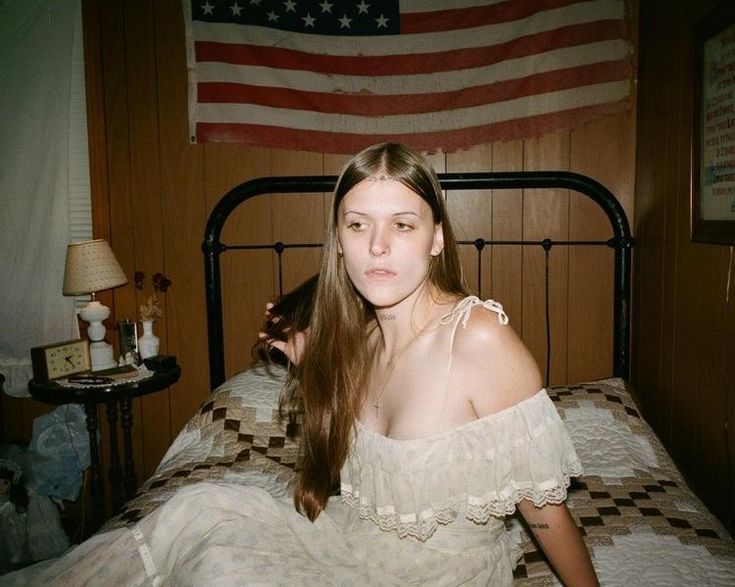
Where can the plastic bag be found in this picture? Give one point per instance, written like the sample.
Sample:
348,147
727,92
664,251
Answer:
31,536
46,537
59,452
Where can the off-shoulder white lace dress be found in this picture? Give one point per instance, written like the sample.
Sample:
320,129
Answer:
428,511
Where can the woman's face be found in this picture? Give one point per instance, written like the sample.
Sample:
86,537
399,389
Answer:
387,236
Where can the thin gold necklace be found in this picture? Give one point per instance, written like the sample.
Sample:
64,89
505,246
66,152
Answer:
391,367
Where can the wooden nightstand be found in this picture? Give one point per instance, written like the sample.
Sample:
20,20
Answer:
122,479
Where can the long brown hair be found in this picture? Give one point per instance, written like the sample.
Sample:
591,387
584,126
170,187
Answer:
332,373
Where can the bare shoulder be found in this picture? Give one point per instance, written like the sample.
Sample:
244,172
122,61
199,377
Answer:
491,365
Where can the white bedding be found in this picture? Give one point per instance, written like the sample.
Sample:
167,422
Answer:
641,522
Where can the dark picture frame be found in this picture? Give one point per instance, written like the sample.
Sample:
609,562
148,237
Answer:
713,128
128,338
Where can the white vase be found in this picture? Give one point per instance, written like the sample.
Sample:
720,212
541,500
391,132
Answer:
148,343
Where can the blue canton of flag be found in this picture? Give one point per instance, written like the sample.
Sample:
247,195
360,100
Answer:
325,17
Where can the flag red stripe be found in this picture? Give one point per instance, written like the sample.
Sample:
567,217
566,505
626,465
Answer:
372,105
278,58
343,142
459,18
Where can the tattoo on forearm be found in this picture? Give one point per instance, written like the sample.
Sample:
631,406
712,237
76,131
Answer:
539,526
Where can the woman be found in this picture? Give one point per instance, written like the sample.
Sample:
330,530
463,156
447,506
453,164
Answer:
425,410
391,270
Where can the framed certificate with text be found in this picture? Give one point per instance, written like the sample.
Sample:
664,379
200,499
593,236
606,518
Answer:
713,124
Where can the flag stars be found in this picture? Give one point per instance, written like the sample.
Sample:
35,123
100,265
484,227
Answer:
313,17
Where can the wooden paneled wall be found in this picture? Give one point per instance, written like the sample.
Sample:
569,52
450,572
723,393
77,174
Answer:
684,326
153,191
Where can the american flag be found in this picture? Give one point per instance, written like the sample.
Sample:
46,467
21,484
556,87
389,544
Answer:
335,76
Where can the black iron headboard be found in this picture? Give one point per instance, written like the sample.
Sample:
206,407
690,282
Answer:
621,242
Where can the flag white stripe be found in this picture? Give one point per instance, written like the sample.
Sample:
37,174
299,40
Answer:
416,6
437,42
418,123
415,84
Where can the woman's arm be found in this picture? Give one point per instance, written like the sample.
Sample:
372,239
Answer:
559,537
498,371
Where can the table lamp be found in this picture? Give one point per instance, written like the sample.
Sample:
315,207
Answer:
91,267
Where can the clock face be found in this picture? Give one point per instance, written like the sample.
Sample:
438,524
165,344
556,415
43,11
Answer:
60,359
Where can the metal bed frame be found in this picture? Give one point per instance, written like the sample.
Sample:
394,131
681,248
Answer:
621,242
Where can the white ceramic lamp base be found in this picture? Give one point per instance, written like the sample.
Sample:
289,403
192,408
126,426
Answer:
100,353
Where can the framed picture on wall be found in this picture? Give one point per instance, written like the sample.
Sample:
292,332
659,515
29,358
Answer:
713,124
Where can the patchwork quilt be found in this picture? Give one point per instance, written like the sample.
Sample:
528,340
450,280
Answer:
640,520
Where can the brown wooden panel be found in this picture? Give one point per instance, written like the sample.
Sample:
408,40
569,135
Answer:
298,218
13,429
724,506
17,418
682,354
184,214
507,276
591,268
152,429
669,203
117,118
333,164
546,215
471,213
249,275
699,387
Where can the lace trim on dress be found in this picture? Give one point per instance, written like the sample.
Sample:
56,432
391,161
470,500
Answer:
421,526
482,468
480,511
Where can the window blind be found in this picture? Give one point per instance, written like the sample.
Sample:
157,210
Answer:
80,200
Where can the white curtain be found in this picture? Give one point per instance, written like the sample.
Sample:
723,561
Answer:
37,41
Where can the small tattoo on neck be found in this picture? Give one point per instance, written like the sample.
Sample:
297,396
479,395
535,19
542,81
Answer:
386,317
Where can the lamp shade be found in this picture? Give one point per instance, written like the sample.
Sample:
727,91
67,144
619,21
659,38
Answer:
91,266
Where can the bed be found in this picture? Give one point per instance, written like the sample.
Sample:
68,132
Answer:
640,520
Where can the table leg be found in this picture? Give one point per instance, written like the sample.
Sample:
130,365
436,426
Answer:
115,468
131,483
98,491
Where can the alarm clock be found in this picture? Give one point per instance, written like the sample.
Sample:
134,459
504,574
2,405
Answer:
60,359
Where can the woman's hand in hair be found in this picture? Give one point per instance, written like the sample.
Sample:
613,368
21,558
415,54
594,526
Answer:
292,346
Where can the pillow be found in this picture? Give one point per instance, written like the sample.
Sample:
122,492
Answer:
237,435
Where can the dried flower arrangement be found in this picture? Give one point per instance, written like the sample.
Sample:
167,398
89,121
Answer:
151,310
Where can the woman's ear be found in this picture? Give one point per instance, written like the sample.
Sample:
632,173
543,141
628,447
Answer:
339,248
438,245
